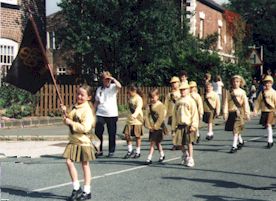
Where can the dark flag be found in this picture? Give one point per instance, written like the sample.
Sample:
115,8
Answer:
28,70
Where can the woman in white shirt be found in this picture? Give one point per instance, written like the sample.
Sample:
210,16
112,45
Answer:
217,86
107,110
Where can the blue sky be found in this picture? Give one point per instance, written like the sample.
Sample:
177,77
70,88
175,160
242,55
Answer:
51,5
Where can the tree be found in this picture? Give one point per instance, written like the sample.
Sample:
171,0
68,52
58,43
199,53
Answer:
135,39
261,20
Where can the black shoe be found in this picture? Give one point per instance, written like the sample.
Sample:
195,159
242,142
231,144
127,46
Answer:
269,145
233,150
198,140
110,155
75,195
128,155
173,148
240,145
99,154
84,196
136,155
209,137
161,159
148,162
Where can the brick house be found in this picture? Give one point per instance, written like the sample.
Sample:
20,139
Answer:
13,15
206,17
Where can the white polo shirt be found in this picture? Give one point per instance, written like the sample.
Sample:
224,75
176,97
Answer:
107,98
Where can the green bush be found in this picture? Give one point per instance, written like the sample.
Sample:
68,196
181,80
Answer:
18,103
122,108
2,103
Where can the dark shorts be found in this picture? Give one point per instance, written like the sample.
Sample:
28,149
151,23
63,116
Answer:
267,118
208,117
133,131
183,136
234,123
156,136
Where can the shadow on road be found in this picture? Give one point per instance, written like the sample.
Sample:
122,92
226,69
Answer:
222,198
178,166
17,191
223,183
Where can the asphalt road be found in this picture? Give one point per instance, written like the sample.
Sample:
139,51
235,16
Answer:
217,176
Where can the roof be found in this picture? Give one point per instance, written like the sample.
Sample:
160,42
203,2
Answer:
213,5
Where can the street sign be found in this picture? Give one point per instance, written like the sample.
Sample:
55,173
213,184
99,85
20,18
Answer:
255,58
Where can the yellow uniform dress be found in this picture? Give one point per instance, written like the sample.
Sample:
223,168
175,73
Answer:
134,126
79,147
236,113
185,116
197,98
155,116
170,101
268,109
210,113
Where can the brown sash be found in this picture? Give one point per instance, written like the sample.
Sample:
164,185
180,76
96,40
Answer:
208,103
155,117
235,100
172,97
265,101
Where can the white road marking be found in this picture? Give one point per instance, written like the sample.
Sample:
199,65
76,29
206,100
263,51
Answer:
98,177
117,172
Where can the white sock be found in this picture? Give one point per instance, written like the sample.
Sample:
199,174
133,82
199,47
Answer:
240,139
197,133
138,150
210,133
149,157
76,185
86,189
235,141
270,134
129,148
162,153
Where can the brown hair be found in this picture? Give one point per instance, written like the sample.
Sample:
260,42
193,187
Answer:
153,92
218,78
208,84
207,76
87,88
133,87
182,73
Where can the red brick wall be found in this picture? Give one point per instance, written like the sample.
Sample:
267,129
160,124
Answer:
211,25
12,19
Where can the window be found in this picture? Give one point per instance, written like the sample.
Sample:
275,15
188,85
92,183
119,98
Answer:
51,40
220,34
13,2
219,38
201,28
61,71
8,52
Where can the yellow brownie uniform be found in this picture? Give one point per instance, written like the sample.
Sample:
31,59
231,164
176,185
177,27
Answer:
134,126
155,116
266,102
79,147
236,108
185,116
211,106
197,98
170,101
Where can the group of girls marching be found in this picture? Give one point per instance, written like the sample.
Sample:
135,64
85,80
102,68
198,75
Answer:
184,108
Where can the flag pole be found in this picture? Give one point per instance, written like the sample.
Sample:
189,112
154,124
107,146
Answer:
46,61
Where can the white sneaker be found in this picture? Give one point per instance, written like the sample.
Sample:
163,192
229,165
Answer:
190,162
185,159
